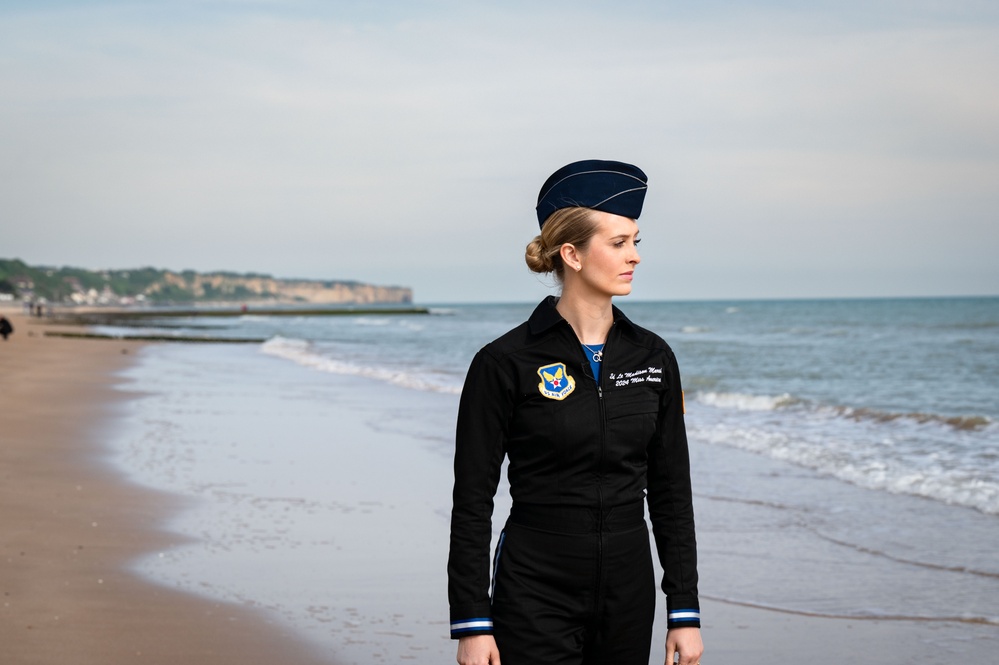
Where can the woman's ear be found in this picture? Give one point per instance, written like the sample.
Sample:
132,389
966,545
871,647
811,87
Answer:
570,257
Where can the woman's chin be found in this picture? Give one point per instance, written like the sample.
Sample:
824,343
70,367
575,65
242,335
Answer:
623,290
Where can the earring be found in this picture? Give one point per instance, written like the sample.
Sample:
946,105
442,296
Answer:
579,267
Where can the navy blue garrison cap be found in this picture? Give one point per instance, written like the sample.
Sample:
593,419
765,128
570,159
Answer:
613,187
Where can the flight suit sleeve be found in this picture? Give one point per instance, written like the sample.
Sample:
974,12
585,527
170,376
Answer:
670,504
483,414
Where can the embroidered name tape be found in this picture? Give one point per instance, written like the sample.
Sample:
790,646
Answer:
634,377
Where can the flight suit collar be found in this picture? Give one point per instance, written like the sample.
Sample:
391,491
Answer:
545,317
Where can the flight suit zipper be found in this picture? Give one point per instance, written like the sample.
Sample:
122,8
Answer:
600,467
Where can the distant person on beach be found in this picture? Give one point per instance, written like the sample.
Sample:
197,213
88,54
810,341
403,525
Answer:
588,408
5,328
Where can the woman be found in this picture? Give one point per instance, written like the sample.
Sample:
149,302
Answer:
588,408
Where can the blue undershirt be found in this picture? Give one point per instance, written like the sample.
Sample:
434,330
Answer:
590,350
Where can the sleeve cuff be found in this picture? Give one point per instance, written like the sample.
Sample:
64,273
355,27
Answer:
476,626
683,618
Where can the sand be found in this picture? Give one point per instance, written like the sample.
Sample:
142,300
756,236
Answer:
72,525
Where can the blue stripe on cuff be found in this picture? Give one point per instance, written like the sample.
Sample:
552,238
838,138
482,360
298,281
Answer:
684,615
467,625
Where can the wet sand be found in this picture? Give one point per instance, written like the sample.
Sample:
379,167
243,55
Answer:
71,526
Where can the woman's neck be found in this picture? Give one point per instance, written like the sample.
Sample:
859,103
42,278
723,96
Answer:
590,318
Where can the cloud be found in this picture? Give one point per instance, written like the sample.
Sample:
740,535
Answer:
406,144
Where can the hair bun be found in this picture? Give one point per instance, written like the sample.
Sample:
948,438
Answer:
536,258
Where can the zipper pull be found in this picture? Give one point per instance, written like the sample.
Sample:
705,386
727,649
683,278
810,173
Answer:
600,392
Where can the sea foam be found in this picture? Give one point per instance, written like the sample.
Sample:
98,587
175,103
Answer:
744,402
949,459
304,353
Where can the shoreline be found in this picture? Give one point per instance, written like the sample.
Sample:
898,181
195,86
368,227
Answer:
73,527
380,530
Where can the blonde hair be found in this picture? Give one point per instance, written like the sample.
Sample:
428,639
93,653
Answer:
575,226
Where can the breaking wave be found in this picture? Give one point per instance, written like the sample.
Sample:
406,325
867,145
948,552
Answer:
305,353
954,459
746,402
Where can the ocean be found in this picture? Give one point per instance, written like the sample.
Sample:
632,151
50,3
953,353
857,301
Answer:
845,461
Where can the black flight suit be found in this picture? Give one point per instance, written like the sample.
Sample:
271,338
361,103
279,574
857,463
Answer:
573,576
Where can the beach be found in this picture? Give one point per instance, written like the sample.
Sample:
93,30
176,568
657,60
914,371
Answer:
274,504
72,525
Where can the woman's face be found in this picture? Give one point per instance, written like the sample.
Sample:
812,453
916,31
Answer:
608,262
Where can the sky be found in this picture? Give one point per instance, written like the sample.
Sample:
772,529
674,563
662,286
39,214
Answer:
794,149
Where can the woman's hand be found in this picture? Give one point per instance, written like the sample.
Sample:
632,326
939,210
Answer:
478,650
687,643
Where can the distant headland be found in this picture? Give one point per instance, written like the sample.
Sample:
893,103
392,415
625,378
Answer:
153,286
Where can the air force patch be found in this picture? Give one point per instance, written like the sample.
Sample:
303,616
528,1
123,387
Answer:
555,381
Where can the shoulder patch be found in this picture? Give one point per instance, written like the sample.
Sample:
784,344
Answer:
555,381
